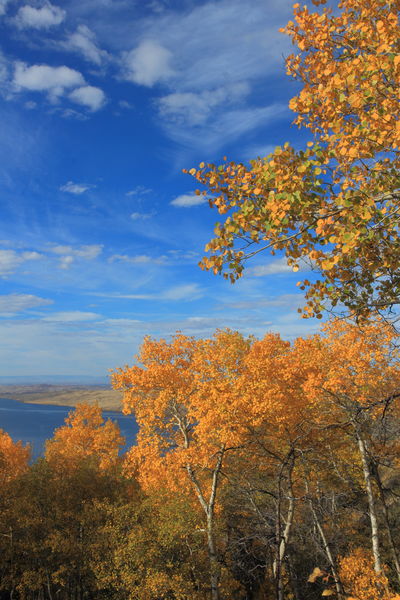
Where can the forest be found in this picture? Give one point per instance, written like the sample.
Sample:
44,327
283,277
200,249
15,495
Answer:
264,469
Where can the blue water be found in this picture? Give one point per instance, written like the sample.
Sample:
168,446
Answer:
35,423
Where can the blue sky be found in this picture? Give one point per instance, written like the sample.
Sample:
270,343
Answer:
103,102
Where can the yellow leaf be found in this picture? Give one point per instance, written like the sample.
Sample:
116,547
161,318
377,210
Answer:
316,573
327,592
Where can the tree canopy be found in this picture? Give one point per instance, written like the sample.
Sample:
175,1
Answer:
335,203
262,469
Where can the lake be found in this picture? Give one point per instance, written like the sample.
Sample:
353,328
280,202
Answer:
35,423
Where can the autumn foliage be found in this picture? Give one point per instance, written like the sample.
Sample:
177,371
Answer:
229,422
263,469
334,205
85,436
14,458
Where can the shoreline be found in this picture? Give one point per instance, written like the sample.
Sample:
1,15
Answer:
64,395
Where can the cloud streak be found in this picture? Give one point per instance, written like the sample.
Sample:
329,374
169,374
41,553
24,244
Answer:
76,188
209,60
188,200
11,304
83,41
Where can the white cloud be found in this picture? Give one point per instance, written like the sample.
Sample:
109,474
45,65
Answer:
43,78
209,59
187,200
139,259
226,127
89,96
137,216
15,303
71,113
186,291
58,81
189,108
4,69
68,254
76,188
224,43
273,268
30,105
10,260
3,6
139,190
253,152
156,6
276,267
83,41
147,64
66,262
73,316
44,17
87,251
283,301
126,105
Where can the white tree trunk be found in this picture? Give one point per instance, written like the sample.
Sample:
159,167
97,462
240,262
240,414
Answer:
371,502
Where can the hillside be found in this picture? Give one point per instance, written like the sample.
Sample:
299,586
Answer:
63,395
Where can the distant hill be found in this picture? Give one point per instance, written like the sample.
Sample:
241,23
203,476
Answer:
54,379
63,395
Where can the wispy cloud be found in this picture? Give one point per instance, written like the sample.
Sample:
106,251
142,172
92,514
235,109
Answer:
69,254
83,41
139,190
226,127
10,260
141,216
3,6
139,259
184,292
44,17
281,301
193,109
125,105
72,316
188,200
276,267
76,188
15,303
209,60
259,151
86,251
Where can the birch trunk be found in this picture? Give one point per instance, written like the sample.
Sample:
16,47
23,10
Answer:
327,549
214,565
283,538
392,545
209,509
371,502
